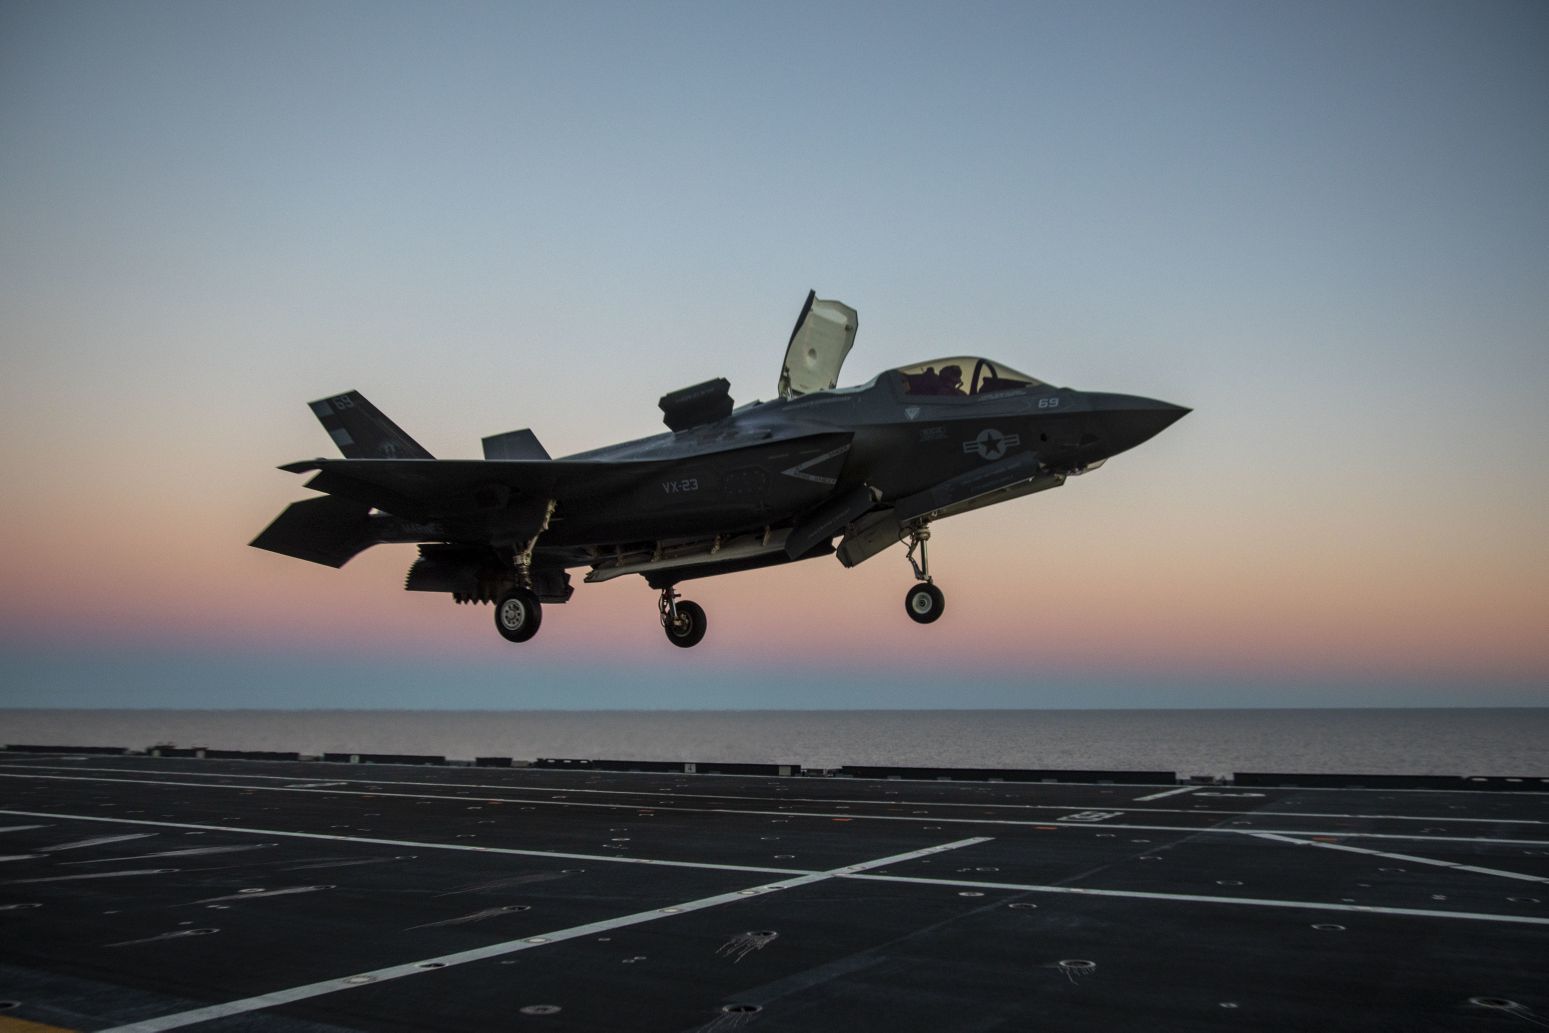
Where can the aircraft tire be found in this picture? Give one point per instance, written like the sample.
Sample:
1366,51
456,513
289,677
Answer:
924,603
518,615
690,629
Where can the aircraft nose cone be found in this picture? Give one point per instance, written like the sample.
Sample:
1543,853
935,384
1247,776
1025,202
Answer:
1124,421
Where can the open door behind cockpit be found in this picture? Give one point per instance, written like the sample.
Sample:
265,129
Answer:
824,333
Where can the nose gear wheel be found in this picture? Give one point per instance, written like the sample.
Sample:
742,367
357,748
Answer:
924,602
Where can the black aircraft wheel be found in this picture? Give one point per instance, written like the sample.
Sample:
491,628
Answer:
924,603
518,614
689,628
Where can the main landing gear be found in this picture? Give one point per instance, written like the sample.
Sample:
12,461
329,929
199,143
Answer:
518,614
683,621
924,602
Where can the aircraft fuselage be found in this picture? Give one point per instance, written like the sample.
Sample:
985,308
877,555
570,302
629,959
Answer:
724,490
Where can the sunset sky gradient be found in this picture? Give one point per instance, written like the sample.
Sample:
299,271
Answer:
1323,226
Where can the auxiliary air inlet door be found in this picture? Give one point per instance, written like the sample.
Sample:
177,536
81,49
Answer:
823,336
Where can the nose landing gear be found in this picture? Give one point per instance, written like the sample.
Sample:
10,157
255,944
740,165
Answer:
682,620
924,602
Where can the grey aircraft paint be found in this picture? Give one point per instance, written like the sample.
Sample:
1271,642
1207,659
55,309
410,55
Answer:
726,489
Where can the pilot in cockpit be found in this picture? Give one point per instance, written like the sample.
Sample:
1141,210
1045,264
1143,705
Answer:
950,380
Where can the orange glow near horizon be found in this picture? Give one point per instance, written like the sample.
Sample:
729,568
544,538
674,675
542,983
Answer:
1127,592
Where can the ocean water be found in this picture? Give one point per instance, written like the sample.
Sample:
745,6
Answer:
1505,741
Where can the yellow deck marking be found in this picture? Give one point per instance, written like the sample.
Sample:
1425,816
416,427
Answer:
10,1025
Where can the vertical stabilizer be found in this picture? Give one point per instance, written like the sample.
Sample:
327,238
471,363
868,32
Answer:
516,444
362,432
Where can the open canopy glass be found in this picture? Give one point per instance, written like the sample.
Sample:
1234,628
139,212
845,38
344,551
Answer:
962,376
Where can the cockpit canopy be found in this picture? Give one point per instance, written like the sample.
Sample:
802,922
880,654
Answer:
962,377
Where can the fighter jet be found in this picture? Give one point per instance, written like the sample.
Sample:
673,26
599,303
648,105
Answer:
819,470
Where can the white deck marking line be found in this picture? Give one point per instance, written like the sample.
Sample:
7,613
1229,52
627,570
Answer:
22,759
21,828
1169,792
847,815
91,875
1405,857
1192,830
420,845
1200,899
798,873
1392,789
81,844
495,950
296,783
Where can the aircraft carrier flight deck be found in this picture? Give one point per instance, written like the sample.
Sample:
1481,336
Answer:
222,894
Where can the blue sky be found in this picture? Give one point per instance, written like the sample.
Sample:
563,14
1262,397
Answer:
1324,226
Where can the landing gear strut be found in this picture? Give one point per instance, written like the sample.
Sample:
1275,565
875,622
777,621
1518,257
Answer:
924,602
517,610
683,621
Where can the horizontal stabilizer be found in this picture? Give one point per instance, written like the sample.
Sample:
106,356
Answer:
327,530
362,432
516,444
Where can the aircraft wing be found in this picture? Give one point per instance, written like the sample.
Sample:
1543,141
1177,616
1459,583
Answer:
424,489
506,502
442,487
336,527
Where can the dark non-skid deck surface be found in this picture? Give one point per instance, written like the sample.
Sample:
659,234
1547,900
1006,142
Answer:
154,893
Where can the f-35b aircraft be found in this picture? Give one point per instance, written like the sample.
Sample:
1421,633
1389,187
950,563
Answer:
726,489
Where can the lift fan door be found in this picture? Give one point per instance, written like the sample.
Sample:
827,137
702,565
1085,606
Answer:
824,334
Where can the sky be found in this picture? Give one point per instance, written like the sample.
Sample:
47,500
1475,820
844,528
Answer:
1322,226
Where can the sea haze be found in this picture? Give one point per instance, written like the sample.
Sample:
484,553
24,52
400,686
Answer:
1506,741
